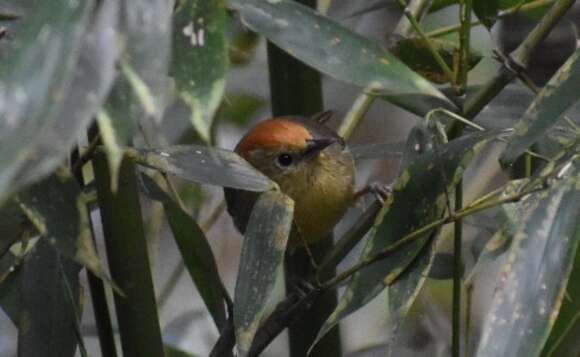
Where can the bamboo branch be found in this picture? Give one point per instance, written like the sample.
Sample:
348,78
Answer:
520,59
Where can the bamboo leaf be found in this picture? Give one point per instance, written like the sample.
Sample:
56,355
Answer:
47,319
59,70
57,209
261,274
12,224
486,11
195,251
533,280
418,198
563,340
560,94
338,52
404,292
146,26
10,296
201,164
141,89
200,59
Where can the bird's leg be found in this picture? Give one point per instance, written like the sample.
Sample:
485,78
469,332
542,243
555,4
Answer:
380,190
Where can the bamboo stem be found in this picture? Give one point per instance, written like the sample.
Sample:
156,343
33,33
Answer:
128,259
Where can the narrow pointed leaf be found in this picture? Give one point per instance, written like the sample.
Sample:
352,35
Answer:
563,340
140,91
560,94
57,209
404,292
533,280
12,224
53,53
146,26
338,52
47,320
418,198
10,296
260,281
486,11
201,164
195,251
200,59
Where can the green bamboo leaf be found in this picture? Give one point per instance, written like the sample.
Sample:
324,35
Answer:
141,89
199,261
560,94
260,280
201,164
563,340
406,287
47,319
486,11
195,251
200,59
404,292
12,224
59,212
533,279
495,247
55,51
500,242
418,198
338,52
145,28
10,296
416,54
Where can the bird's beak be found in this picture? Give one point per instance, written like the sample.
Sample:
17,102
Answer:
315,146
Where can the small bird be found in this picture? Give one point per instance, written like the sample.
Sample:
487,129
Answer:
309,162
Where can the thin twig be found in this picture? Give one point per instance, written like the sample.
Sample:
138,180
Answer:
440,61
418,8
518,9
465,7
446,30
521,57
356,113
413,236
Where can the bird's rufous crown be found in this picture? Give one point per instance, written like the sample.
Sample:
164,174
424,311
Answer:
273,134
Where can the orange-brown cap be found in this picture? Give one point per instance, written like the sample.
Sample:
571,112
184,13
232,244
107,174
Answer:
273,134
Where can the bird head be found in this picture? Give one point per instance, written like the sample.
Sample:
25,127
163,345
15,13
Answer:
289,148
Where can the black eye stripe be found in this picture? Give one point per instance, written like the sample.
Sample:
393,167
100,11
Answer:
285,160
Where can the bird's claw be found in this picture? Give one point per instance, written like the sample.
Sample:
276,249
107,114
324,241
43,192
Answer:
381,191
303,287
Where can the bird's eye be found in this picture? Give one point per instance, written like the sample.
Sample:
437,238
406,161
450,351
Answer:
284,160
